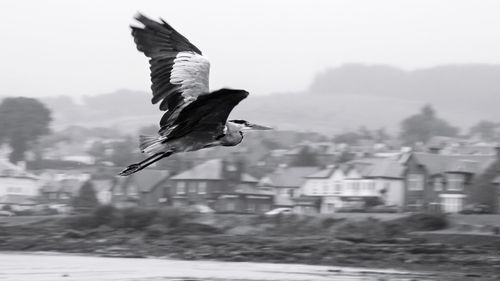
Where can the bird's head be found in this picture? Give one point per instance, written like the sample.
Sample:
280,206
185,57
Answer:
245,125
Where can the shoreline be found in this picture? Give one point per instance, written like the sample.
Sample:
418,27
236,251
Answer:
312,272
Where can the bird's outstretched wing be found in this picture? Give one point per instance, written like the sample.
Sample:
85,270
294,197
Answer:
208,113
179,71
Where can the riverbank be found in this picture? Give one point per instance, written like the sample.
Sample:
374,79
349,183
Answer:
300,240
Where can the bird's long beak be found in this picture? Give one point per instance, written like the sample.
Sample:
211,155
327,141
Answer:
253,127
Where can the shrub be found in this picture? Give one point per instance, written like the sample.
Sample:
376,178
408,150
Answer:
172,217
81,221
424,222
328,222
368,230
137,218
105,215
156,230
195,229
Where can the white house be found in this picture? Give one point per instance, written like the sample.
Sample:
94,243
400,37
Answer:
17,187
354,183
285,183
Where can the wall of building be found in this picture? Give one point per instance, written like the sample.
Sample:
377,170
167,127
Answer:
19,186
394,191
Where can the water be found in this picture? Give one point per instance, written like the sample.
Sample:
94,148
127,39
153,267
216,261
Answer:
54,267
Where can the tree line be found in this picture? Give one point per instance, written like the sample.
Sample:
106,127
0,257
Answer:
23,121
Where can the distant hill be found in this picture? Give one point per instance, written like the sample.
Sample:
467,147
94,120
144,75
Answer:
338,99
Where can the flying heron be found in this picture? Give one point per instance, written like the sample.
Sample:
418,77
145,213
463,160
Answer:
195,118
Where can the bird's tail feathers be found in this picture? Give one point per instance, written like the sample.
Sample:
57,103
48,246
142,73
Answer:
150,144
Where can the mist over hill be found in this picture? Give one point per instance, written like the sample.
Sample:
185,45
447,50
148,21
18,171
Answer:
338,99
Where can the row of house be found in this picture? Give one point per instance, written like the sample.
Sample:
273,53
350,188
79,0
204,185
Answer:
434,180
417,181
222,185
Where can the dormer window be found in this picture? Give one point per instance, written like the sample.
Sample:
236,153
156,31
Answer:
438,184
202,187
455,182
181,187
338,187
415,182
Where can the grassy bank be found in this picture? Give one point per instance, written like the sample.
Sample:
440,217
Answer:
175,233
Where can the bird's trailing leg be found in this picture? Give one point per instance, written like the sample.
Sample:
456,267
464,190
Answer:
144,163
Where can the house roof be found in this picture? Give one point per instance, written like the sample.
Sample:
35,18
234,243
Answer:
8,169
290,176
209,170
327,172
147,179
438,163
71,186
102,185
379,168
315,147
368,167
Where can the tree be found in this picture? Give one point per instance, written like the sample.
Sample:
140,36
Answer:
424,125
381,135
349,138
97,150
305,158
486,130
22,121
364,133
124,152
86,198
345,156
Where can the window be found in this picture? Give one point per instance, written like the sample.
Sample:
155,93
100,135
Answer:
315,190
355,187
330,208
415,182
181,187
132,190
202,187
455,182
230,206
264,207
325,188
348,186
371,186
283,192
438,184
251,207
338,187
117,190
387,186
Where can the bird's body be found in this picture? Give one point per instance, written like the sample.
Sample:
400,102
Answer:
195,118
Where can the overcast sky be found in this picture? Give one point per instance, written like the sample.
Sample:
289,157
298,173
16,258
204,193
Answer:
61,47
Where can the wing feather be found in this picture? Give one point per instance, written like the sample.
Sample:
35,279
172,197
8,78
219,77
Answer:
179,71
